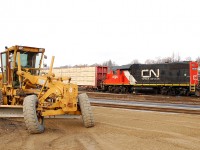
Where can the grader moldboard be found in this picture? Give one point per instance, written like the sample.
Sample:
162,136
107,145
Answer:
40,95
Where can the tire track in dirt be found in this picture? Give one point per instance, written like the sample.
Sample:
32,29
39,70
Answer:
44,140
12,133
72,135
154,128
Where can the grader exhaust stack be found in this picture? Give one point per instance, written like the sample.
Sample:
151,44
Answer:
38,95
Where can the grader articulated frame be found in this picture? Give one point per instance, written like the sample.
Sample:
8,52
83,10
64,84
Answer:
40,95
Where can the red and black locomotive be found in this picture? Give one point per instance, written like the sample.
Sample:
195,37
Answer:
178,78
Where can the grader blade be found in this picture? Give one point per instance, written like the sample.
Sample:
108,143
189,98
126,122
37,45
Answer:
11,111
7,111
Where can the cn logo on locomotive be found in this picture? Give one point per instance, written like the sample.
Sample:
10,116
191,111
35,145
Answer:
115,77
150,73
195,77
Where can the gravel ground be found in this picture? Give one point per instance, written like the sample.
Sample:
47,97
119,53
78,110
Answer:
117,129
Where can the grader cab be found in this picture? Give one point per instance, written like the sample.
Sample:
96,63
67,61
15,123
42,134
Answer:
39,95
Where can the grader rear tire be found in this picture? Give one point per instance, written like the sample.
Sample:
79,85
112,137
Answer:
86,110
33,120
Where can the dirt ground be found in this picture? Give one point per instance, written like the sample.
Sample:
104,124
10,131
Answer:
115,129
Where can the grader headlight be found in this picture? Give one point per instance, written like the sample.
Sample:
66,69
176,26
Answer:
21,48
41,49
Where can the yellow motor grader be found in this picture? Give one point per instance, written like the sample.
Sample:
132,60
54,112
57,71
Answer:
40,95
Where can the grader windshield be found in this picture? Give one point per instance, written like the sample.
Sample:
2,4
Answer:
30,60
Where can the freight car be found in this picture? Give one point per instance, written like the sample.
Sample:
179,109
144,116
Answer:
178,78
89,78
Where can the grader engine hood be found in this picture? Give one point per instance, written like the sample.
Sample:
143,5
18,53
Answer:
69,98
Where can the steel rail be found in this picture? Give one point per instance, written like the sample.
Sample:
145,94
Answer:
148,106
146,98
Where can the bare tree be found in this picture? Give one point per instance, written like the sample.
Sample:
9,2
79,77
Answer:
178,58
80,65
158,60
65,66
149,61
109,63
95,64
173,57
198,60
188,58
168,59
135,61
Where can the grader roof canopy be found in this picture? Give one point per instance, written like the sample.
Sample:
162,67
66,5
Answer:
25,48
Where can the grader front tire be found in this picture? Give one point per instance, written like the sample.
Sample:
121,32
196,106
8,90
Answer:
86,110
33,120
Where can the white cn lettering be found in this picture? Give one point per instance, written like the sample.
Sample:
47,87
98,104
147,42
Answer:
149,73
114,76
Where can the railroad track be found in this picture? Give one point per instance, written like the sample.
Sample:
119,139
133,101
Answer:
189,105
146,98
148,106
162,103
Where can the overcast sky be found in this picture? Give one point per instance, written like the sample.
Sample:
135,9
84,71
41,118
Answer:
94,31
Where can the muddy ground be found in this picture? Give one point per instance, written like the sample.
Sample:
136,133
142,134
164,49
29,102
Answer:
115,129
